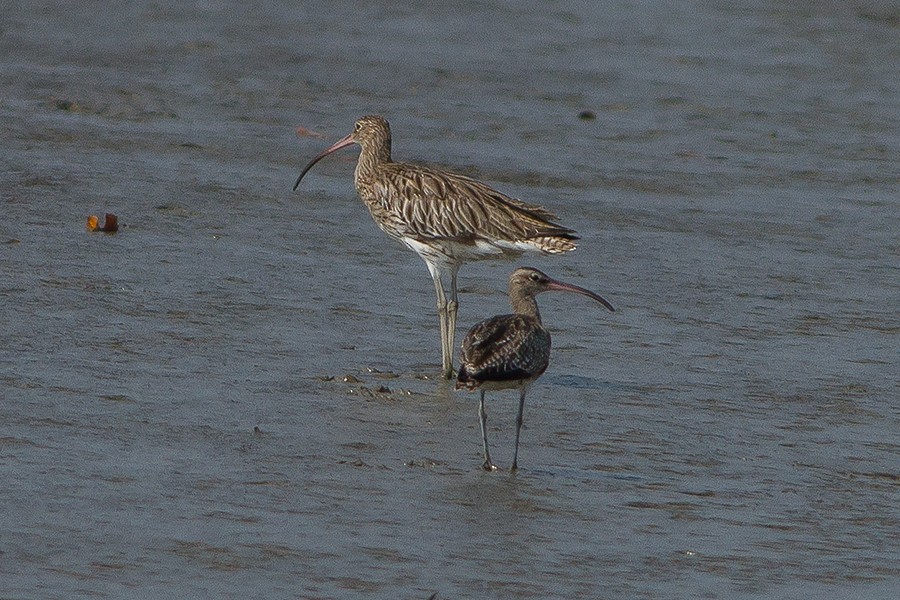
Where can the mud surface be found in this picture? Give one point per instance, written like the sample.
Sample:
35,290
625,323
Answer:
235,395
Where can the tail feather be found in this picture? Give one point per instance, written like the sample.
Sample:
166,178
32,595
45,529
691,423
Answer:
555,244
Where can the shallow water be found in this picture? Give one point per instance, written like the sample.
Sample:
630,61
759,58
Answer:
235,396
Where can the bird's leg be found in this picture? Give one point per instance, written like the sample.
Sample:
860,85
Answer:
482,414
452,307
446,353
518,428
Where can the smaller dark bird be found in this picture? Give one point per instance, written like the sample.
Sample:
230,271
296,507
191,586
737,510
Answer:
512,351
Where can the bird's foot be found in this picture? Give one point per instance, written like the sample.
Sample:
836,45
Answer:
489,466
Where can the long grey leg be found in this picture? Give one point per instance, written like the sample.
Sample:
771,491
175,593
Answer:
452,307
446,351
488,465
518,428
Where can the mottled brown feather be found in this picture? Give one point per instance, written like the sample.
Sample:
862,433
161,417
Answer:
412,201
504,348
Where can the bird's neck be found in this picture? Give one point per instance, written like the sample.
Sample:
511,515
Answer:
369,160
524,304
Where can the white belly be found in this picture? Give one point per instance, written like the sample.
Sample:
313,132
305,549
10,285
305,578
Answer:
448,252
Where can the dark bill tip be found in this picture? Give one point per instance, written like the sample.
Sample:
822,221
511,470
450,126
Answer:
567,287
341,143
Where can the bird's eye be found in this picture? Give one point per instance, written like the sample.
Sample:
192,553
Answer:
535,277
358,127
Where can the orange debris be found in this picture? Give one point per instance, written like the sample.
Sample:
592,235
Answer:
110,223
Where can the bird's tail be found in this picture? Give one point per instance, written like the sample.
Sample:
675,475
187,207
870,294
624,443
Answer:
554,244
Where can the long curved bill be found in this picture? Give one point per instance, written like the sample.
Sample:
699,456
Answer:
559,286
341,143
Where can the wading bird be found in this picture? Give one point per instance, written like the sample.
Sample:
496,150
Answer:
448,219
511,351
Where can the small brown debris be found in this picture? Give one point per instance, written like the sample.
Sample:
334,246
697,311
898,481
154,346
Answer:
70,105
110,223
587,115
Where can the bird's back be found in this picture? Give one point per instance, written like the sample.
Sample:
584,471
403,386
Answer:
412,202
504,351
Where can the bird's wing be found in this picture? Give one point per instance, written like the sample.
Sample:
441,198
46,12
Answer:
503,348
427,205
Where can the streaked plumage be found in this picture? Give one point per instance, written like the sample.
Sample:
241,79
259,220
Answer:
504,349
511,351
448,219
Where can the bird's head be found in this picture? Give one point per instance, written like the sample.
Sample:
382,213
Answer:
529,282
372,133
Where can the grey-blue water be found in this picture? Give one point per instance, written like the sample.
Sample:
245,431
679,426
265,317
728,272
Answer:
235,396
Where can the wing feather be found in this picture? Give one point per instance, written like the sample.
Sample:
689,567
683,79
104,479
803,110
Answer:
504,348
420,203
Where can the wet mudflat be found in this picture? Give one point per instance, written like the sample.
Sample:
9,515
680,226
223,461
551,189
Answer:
235,395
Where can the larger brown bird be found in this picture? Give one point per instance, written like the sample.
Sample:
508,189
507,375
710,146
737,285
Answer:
512,351
448,219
